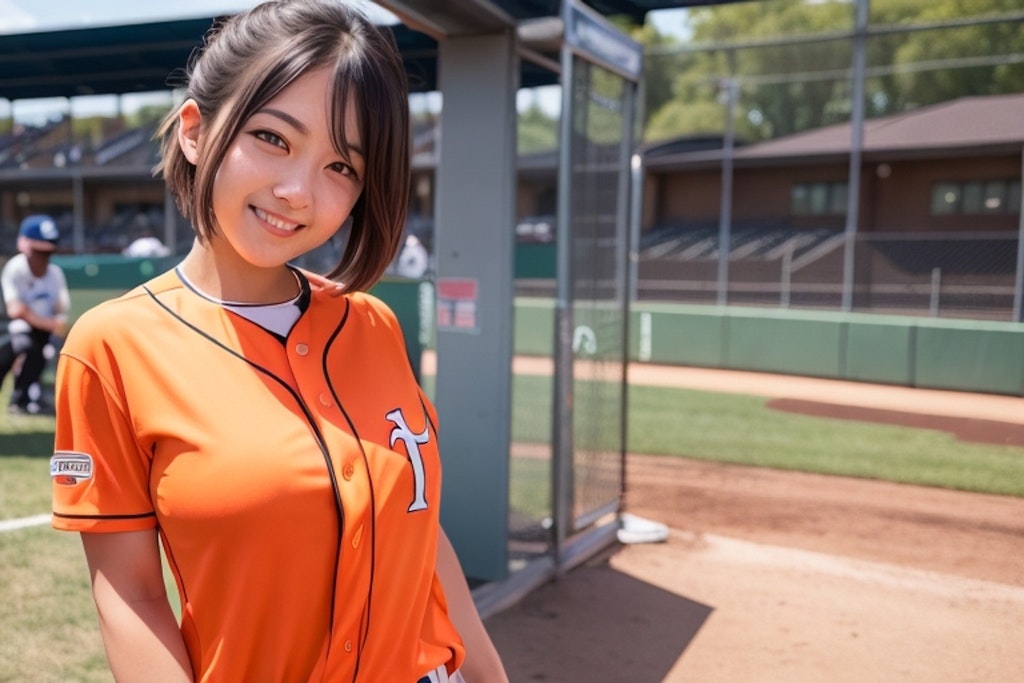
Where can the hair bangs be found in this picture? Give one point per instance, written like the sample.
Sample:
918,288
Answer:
344,99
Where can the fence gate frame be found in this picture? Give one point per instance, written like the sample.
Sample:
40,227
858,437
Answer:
586,517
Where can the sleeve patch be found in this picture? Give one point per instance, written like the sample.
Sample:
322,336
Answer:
68,468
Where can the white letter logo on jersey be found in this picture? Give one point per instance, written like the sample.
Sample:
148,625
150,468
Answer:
412,442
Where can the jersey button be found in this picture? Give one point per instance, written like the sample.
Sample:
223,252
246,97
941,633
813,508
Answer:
302,349
348,646
325,400
347,471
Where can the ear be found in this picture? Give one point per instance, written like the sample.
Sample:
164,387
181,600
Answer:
190,122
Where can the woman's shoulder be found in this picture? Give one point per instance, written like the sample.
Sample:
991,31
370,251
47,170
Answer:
369,302
360,305
372,309
126,314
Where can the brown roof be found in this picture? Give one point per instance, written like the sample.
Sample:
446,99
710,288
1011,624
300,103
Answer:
966,126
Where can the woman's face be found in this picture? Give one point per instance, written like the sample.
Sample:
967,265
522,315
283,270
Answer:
282,189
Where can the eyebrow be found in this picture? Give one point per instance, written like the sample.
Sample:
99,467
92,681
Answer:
301,127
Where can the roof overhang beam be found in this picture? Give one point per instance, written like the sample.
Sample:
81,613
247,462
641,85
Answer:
441,19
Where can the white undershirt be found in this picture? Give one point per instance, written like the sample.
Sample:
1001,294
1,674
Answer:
277,318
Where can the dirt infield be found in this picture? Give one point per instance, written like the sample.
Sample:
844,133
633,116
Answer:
969,429
781,576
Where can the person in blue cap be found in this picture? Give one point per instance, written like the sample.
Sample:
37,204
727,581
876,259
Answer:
37,301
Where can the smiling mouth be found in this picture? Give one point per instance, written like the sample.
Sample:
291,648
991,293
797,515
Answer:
275,221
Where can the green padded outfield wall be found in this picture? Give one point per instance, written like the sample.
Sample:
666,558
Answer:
110,271
535,260
784,342
933,353
970,356
677,335
880,349
964,355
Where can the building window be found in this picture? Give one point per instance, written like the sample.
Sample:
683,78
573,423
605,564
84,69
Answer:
945,199
976,197
818,199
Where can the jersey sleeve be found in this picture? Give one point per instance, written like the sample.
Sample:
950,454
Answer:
99,473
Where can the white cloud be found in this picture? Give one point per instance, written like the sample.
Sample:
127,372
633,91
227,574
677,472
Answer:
13,19
671,22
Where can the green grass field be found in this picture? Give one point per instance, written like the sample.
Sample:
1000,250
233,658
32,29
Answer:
48,629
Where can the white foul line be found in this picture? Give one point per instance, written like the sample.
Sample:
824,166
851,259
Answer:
22,522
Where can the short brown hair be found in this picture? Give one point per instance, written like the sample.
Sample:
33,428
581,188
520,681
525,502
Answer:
250,58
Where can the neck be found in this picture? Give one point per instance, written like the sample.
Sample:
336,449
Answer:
236,280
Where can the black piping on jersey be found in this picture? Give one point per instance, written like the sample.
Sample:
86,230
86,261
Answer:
140,515
317,434
301,301
365,627
367,611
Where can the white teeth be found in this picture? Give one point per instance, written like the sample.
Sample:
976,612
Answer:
276,222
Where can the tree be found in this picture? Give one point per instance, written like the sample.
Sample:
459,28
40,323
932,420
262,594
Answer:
979,59
536,132
792,59
661,65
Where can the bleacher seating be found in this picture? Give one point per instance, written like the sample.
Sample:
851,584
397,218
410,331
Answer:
756,241
121,145
52,145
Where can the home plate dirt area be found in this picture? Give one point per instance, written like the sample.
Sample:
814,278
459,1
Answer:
784,576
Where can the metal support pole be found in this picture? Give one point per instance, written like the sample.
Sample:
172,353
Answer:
636,169
856,144
479,74
78,211
933,304
1018,285
787,276
725,212
562,485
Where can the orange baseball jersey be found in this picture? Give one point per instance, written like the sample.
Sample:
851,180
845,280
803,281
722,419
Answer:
295,483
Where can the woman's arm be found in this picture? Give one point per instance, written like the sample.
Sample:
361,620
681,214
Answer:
483,664
140,632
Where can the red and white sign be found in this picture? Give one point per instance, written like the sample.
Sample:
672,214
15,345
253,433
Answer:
458,300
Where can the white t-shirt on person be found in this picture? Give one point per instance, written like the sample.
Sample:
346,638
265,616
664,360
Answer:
46,296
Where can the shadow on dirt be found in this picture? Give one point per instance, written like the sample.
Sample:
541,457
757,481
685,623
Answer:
596,624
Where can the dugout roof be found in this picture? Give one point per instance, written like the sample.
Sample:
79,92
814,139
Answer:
144,57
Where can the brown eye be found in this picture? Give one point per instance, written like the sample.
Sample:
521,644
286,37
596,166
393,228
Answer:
269,137
342,168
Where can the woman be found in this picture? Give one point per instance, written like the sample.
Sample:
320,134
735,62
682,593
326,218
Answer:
262,428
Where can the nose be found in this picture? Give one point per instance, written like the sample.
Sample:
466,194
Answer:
293,187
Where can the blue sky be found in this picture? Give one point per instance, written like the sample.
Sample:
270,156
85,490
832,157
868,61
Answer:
18,16
32,15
